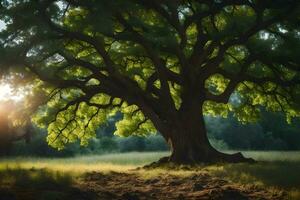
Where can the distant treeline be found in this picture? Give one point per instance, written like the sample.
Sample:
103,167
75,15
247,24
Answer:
272,132
105,142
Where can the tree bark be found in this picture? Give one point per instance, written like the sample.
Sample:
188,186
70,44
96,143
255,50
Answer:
189,142
190,145
185,131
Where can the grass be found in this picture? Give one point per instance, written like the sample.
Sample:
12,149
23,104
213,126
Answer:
82,164
278,170
276,175
18,183
271,156
34,178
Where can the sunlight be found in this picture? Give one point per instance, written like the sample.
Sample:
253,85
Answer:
7,92
2,25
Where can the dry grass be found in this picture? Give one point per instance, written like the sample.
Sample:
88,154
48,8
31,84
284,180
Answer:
275,170
82,164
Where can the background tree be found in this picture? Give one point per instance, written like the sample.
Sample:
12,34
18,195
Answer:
261,135
163,64
12,130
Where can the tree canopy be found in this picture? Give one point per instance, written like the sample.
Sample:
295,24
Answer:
152,61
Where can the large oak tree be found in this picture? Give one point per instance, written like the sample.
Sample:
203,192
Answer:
162,63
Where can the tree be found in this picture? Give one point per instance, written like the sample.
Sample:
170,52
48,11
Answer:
5,135
10,132
163,64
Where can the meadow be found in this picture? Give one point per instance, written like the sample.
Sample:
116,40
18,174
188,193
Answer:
276,171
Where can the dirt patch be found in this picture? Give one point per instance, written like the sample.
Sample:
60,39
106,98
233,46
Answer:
200,186
133,185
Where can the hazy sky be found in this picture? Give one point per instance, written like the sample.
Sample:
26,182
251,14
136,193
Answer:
1,25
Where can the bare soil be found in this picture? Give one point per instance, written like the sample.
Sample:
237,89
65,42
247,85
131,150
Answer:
133,185
202,186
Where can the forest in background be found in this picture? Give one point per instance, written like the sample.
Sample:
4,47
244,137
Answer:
224,134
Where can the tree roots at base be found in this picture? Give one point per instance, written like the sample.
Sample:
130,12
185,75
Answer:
167,162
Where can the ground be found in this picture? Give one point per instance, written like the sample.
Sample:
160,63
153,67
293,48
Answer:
119,176
199,186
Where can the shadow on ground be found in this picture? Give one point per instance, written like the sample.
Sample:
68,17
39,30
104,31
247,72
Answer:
198,186
275,174
41,184
284,175
217,182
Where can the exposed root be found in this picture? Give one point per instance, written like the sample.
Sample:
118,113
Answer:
168,162
234,158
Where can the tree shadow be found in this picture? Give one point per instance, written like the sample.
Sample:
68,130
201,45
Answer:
34,184
274,174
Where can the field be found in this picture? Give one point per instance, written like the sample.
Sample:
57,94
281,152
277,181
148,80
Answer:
275,176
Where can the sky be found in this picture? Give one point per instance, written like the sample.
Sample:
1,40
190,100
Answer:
6,90
1,25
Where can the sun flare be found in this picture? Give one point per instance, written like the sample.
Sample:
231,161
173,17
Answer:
7,92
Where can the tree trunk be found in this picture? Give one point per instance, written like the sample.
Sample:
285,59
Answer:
189,142
5,135
184,130
190,145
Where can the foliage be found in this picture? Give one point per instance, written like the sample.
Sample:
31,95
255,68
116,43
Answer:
224,134
105,142
151,61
